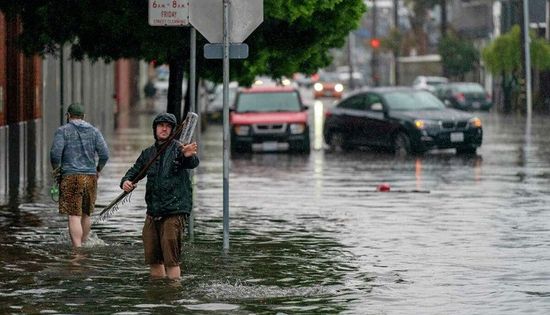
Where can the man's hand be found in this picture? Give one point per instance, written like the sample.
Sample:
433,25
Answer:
127,186
189,149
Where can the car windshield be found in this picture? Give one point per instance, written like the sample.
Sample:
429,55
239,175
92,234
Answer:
412,100
434,83
268,102
469,88
328,77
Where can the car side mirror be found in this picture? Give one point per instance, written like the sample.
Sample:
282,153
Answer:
305,107
377,107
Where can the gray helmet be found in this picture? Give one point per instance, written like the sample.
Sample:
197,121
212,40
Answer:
164,117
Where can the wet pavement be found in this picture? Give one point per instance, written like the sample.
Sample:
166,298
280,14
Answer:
309,234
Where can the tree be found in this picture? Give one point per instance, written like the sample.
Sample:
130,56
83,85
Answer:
503,58
418,18
458,56
296,35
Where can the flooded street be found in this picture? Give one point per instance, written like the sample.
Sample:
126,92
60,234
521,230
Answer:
308,234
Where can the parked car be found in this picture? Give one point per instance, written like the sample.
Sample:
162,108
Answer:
403,120
215,105
328,85
428,83
269,118
464,96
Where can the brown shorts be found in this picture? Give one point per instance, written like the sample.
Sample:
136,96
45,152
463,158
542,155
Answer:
77,194
162,240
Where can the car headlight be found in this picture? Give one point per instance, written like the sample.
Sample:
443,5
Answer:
318,87
338,87
425,124
474,122
297,128
242,130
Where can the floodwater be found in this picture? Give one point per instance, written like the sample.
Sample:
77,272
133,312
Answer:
309,234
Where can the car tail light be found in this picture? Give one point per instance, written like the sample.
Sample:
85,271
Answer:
328,113
460,97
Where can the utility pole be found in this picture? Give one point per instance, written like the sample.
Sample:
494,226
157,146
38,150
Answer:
374,55
398,39
443,5
523,31
527,45
350,61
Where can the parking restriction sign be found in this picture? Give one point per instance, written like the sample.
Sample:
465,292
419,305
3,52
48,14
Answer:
168,12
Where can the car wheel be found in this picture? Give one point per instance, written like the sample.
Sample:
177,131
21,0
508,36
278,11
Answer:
401,144
337,142
303,147
466,150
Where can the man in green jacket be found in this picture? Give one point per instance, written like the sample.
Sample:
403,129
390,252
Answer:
168,195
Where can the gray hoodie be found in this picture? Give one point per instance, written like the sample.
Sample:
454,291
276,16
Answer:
74,148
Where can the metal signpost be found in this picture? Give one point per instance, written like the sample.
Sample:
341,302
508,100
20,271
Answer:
226,24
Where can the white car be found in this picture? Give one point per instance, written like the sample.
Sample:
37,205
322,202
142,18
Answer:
428,83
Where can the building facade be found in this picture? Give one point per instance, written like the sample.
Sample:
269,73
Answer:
34,95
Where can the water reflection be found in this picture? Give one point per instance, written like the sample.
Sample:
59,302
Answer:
309,234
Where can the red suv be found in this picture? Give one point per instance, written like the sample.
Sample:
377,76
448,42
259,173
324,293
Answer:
269,118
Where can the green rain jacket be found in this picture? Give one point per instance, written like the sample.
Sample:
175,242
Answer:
168,190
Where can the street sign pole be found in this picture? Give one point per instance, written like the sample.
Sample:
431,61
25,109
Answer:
225,25
527,45
193,106
226,125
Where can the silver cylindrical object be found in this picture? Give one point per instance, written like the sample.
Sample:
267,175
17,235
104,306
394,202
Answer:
189,125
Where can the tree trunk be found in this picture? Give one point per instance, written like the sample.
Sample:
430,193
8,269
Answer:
187,106
396,50
507,94
175,82
443,5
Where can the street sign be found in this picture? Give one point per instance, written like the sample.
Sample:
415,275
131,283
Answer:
168,12
244,16
236,51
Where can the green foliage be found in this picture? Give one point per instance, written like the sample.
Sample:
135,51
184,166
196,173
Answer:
296,35
458,56
503,55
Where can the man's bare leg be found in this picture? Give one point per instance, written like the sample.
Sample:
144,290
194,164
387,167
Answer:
86,226
173,272
157,271
75,230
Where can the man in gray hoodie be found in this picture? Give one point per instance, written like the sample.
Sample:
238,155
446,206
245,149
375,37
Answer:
73,151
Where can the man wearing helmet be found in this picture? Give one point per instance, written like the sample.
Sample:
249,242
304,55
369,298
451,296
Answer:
168,195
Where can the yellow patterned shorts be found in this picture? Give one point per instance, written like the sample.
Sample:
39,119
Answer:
77,194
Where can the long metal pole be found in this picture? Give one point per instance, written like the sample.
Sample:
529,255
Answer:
226,125
396,50
61,85
527,46
350,61
193,105
374,56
